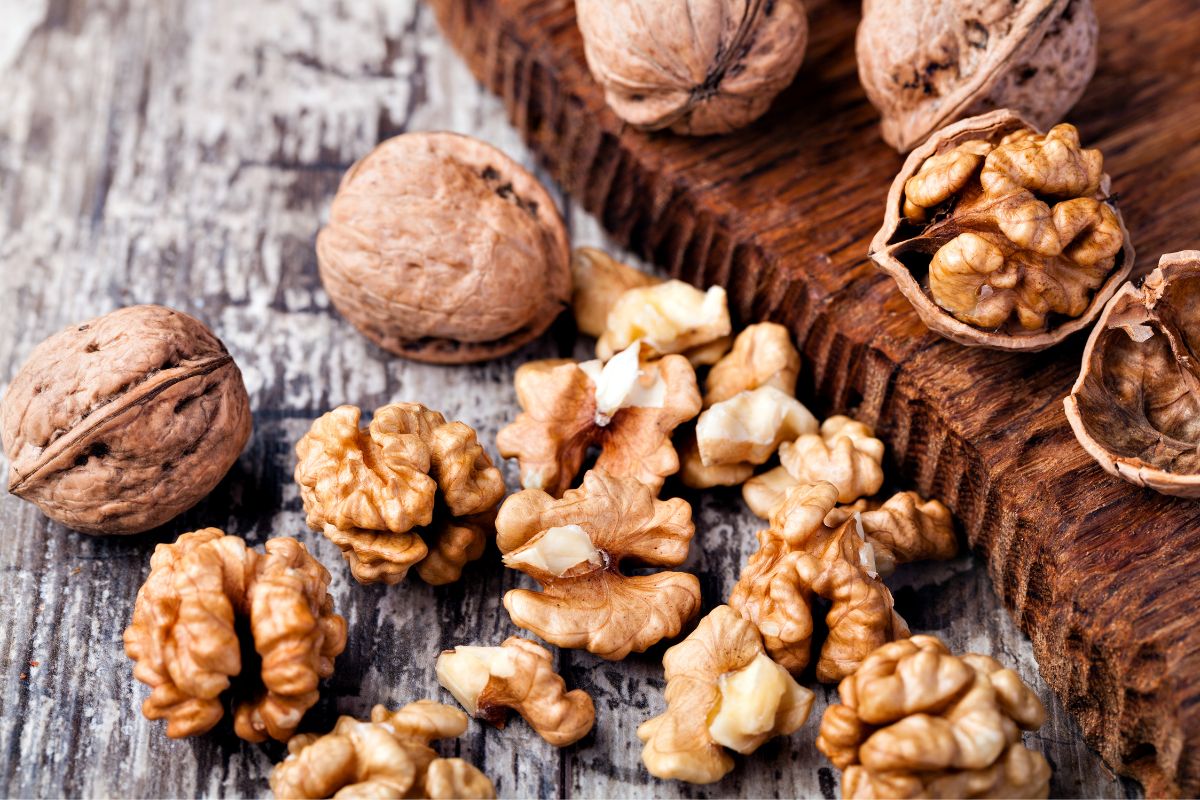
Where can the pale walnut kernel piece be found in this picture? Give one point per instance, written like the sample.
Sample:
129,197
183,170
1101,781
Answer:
455,779
904,528
762,355
698,475
599,281
575,548
385,494
1135,407
669,317
184,636
917,721
1004,237
722,691
625,408
517,675
749,427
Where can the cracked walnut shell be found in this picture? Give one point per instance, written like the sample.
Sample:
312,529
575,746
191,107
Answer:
121,423
926,65
184,637
379,493
1135,408
697,67
1004,237
917,721
575,548
441,248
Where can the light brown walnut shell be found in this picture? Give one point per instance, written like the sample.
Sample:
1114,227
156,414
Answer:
925,65
441,248
123,422
184,636
697,67
1136,406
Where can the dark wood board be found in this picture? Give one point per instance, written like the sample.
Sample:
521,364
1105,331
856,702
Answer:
1103,576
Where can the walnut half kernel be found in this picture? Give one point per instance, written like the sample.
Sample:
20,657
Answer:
669,317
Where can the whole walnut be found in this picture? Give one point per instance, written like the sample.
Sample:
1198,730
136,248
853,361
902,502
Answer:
925,65
441,248
120,423
697,67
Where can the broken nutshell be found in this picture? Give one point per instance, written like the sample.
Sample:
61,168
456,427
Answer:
441,248
121,423
1004,237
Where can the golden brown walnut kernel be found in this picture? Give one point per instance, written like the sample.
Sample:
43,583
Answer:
517,675
904,528
698,475
184,634
762,355
916,721
672,317
926,65
1004,237
599,281
575,548
722,691
386,757
701,67
123,422
625,408
441,248
379,493
1134,407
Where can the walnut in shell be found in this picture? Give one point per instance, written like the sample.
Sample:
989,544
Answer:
441,248
1135,407
575,548
379,494
917,721
184,637
697,67
925,65
1004,237
123,422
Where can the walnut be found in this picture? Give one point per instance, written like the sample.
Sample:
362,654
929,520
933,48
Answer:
924,66
123,422
185,642
762,355
698,67
441,248
844,453
599,281
386,757
575,548
517,675
379,493
722,691
625,408
916,721
902,529
668,317
1134,407
1004,237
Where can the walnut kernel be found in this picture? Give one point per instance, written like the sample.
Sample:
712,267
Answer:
599,281
669,317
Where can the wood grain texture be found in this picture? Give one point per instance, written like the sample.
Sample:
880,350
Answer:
1101,574
184,152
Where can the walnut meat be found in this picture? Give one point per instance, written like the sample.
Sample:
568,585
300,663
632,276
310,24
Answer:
599,281
184,636
926,65
123,422
1004,237
762,355
575,548
723,691
1134,407
697,67
441,248
916,721
668,317
380,493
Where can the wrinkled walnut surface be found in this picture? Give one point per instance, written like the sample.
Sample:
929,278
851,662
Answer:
123,422
925,65
441,248
1002,237
184,637
762,355
1136,405
379,493
668,317
697,67
599,281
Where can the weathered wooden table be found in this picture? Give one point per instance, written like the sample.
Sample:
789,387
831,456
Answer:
184,153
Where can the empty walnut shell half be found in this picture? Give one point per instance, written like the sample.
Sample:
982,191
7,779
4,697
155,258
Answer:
1004,237
925,65
1136,407
441,248
119,424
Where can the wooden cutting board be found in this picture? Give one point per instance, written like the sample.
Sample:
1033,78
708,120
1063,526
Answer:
1103,576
